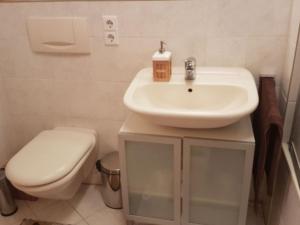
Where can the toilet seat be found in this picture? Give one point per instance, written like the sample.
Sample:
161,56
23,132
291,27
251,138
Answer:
50,157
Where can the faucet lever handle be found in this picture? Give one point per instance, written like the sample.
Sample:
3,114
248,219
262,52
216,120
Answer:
190,63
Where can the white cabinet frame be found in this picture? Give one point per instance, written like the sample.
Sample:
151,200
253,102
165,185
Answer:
248,148
177,143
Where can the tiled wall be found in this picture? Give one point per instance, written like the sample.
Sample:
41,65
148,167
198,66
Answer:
289,93
4,147
291,46
48,90
290,84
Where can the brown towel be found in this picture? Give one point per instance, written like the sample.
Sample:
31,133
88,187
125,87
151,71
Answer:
268,126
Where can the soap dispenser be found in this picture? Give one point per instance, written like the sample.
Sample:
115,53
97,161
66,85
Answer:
162,64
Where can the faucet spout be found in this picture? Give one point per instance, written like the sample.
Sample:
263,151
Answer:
190,68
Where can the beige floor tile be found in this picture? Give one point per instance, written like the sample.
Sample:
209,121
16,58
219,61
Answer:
60,212
86,208
107,217
38,206
88,200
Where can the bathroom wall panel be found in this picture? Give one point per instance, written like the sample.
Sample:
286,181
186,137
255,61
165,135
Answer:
247,18
23,128
5,152
6,58
291,46
48,90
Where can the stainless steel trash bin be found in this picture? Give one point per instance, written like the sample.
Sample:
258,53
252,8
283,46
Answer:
109,167
7,203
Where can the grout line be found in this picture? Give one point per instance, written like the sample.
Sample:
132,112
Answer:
74,209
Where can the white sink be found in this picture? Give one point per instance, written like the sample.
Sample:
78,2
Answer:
216,98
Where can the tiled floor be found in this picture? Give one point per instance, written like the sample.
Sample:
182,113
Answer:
86,208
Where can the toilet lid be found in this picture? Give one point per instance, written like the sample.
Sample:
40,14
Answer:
48,157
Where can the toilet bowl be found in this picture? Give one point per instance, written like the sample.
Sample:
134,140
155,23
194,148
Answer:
54,163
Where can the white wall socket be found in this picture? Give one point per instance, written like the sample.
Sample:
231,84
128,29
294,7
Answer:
111,38
110,23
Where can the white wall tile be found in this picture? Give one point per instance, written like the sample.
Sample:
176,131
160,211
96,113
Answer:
12,20
226,52
6,58
108,131
72,68
295,77
23,128
247,18
102,100
288,120
265,56
5,148
29,96
121,63
28,64
3,106
291,46
109,100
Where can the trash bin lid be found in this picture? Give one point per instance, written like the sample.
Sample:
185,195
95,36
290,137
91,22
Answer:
110,163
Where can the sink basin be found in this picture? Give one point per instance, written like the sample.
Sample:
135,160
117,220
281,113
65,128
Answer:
216,98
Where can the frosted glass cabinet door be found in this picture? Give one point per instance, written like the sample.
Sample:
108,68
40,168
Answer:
216,182
151,178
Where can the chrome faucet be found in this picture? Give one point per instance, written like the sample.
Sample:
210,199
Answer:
190,68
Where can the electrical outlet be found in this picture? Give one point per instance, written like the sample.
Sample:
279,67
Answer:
110,23
111,38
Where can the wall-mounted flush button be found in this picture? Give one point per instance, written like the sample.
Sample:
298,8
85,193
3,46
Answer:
111,38
58,34
110,23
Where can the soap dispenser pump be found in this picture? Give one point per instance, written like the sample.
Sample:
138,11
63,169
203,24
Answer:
162,64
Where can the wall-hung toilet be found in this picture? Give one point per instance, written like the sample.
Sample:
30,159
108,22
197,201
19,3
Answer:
54,163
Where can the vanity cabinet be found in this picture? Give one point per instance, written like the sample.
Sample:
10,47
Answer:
151,190
216,181
177,176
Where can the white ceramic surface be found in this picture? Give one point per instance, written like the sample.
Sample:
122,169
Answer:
66,187
49,157
64,141
216,98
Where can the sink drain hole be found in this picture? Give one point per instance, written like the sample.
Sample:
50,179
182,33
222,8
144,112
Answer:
190,90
